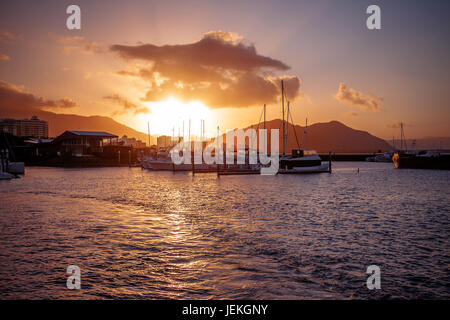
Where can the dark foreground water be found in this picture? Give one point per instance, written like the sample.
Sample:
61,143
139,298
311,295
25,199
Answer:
158,235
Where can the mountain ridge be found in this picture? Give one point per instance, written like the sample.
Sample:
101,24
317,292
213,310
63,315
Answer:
326,136
321,136
60,122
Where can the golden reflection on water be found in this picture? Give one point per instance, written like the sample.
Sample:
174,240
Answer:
159,235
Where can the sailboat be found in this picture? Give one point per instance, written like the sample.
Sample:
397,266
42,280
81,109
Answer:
159,162
404,159
300,160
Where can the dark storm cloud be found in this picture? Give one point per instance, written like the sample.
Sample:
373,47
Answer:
12,97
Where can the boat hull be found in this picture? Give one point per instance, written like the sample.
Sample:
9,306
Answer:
407,161
6,176
158,165
324,167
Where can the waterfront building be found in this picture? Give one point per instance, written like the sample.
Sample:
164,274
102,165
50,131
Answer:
79,143
33,127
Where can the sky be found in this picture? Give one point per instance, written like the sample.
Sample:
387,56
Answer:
170,61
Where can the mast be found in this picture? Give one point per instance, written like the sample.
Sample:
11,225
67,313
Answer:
402,138
201,130
265,128
306,134
287,124
282,108
217,148
149,137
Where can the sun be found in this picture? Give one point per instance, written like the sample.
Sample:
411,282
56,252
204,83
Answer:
166,117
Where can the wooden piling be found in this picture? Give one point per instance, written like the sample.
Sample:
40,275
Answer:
329,161
6,160
1,158
193,164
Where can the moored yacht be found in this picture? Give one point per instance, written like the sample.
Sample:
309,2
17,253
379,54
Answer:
419,160
162,161
385,157
422,160
303,161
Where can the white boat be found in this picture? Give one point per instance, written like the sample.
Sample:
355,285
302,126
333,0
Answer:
16,167
385,157
303,161
12,170
162,162
6,176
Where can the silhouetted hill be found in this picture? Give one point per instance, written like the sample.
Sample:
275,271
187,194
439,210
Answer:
326,136
58,123
321,136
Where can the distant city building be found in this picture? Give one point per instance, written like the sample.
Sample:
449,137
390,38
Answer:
167,142
8,126
132,142
163,141
33,127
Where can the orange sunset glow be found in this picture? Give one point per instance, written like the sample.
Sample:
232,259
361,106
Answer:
132,62
224,155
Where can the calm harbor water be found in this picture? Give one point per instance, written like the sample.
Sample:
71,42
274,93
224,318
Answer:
137,234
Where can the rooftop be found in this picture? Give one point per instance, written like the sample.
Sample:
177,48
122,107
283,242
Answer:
93,133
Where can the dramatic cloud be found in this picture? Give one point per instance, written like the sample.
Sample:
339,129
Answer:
291,85
127,105
366,102
220,69
4,57
13,97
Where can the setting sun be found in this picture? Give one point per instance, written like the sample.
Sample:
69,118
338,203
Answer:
168,115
